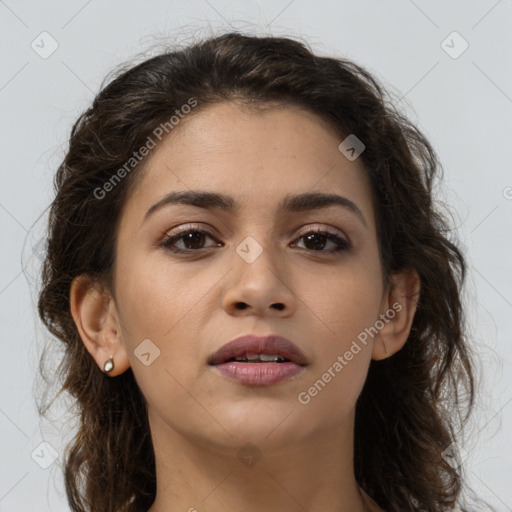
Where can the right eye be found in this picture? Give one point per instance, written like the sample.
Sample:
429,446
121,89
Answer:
192,238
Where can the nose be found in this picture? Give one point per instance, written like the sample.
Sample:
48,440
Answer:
258,283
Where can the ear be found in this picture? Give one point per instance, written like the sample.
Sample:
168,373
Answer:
398,307
93,310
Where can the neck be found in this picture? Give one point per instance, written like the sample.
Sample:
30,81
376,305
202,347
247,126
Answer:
316,475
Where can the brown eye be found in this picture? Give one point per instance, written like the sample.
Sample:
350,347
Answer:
193,240
316,241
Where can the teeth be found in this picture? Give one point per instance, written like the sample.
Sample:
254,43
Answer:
267,358
252,357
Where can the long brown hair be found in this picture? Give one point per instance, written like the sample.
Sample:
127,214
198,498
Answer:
412,404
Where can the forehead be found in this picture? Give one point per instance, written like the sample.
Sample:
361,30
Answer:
257,156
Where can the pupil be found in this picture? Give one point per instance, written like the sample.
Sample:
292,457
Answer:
316,236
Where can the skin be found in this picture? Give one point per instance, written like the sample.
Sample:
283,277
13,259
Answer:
187,307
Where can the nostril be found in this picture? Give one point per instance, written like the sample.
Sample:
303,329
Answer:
243,305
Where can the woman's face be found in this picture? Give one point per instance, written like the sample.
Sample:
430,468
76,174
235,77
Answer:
184,306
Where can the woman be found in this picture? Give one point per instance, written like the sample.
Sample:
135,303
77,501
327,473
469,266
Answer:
259,302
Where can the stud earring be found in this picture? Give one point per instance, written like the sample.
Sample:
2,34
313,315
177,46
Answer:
109,365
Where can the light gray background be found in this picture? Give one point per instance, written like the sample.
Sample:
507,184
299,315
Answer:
463,104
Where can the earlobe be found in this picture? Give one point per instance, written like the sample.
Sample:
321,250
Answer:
397,314
94,314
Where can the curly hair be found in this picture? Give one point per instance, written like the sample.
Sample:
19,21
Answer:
412,404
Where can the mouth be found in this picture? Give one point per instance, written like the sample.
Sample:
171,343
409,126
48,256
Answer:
259,360
251,348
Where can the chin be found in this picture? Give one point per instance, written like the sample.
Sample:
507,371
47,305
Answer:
263,421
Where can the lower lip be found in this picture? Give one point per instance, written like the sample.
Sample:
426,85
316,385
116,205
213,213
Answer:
258,374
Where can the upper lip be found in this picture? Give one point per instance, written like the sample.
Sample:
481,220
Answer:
254,344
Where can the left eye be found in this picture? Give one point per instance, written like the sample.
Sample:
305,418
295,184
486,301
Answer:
317,240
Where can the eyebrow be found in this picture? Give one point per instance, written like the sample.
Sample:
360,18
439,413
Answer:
291,203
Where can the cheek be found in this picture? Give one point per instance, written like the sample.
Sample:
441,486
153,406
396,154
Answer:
346,304
155,295
343,353
170,306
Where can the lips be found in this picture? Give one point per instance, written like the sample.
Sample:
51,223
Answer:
250,347
252,360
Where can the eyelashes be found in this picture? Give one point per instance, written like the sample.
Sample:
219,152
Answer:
195,238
